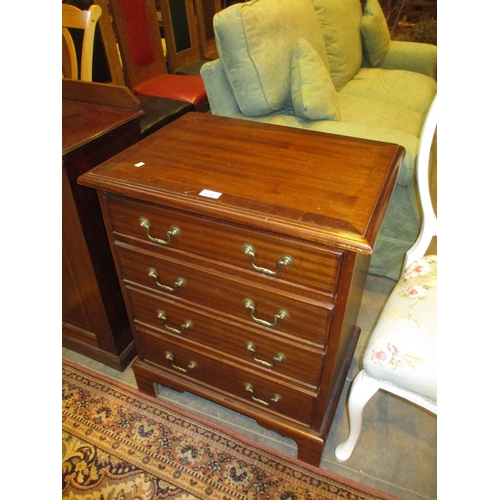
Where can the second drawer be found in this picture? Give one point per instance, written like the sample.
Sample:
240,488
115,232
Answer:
256,306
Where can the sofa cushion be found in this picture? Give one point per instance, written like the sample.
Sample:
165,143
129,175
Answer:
374,32
313,95
408,90
340,23
374,113
255,41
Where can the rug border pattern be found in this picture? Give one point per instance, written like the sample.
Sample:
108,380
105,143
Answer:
295,471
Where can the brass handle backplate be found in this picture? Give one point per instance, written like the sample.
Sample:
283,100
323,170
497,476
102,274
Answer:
172,231
281,315
285,261
278,358
190,366
275,398
178,283
185,326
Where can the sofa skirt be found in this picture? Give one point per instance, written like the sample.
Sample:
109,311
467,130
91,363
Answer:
399,231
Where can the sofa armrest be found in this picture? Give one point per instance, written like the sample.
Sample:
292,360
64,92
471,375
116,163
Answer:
411,56
220,96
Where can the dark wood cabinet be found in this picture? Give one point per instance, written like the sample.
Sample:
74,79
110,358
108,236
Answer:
242,250
94,319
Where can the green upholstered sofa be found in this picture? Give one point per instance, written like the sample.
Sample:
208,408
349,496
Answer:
329,66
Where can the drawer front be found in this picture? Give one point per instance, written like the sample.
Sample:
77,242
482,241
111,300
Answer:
262,392
285,259
257,306
251,348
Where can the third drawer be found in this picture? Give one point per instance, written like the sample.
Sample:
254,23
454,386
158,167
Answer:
275,355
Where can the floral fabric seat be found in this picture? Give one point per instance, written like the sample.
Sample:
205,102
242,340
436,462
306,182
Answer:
403,347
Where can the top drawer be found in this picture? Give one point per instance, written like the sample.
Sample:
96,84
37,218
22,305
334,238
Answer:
257,252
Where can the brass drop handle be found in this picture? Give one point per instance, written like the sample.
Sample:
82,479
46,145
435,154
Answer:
278,358
275,398
172,231
190,366
185,326
281,315
285,261
178,283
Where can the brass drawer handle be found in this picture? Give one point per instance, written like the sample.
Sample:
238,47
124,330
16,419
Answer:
190,366
172,231
282,314
185,326
178,283
285,261
278,358
275,398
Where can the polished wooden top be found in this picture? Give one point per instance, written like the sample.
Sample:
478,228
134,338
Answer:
84,122
90,110
320,187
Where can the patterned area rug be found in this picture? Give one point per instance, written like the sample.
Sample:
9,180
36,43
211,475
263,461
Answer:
119,444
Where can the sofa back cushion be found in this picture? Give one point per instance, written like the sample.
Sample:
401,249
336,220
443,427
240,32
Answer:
375,32
340,22
256,42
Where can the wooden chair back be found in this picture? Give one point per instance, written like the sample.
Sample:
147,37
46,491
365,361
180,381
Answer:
138,34
180,28
110,43
205,12
86,20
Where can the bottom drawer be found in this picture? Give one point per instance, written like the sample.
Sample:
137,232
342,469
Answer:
225,376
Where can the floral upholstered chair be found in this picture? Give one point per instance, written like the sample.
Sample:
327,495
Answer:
401,356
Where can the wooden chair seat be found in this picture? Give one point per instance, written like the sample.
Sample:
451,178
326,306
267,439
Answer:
158,112
180,87
138,35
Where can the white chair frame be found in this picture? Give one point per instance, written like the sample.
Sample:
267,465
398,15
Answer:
365,386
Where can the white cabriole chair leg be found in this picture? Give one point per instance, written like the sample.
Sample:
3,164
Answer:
362,389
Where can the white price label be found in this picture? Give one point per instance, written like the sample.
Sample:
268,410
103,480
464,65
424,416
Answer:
210,194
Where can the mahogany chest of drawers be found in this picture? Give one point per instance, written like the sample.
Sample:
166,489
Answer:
242,250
